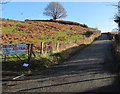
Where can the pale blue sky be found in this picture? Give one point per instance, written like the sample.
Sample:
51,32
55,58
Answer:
93,14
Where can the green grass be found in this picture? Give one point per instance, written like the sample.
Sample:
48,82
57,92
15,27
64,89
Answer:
14,57
46,38
24,23
12,29
36,40
60,34
8,29
67,37
72,38
72,31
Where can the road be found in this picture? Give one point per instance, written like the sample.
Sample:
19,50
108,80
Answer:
91,70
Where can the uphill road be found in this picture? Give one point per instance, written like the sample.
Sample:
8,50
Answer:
92,69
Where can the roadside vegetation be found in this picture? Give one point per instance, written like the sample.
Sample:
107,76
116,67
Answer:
115,36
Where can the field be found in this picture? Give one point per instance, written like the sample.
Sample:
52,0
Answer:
63,37
40,31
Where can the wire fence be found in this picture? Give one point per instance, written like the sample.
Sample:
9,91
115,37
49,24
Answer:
52,47
49,48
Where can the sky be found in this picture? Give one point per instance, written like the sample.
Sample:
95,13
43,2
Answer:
94,14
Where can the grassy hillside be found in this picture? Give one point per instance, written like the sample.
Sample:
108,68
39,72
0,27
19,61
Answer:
70,36
42,31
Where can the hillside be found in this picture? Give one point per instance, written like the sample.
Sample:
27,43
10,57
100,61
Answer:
43,31
53,42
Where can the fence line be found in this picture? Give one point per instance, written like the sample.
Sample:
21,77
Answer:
52,47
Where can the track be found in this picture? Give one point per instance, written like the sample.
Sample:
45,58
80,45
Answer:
90,70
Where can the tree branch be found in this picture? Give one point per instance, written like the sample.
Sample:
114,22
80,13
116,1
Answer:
4,1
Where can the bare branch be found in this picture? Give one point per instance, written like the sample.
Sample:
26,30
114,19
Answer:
4,1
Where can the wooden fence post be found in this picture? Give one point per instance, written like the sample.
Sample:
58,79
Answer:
51,49
31,51
42,47
28,49
5,58
58,46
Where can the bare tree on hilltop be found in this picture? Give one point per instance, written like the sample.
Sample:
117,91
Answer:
55,10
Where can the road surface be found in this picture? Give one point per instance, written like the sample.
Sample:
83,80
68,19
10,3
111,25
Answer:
90,70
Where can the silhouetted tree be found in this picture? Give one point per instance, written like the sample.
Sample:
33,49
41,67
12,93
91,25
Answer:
117,16
55,10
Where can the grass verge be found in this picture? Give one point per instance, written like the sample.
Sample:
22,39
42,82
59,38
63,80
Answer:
40,62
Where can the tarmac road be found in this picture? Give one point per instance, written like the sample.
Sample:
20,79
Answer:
91,70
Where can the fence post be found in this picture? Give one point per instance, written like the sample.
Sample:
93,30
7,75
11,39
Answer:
5,58
54,47
58,46
42,47
28,47
31,50
51,49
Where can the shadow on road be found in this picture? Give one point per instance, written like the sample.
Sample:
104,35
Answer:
102,88
94,65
